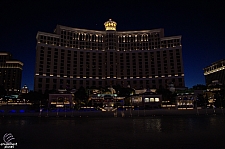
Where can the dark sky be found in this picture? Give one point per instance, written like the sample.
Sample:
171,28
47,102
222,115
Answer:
200,23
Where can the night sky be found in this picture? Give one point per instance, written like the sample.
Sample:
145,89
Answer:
200,23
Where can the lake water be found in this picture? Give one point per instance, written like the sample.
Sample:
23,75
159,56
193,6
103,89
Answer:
115,132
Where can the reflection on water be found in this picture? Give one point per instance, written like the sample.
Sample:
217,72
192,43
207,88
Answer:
147,125
139,132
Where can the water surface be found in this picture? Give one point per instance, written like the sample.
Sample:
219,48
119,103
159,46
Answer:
112,132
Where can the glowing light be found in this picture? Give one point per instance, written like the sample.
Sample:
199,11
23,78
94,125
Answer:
156,99
110,25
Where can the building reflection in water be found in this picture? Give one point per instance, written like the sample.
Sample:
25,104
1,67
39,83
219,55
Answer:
147,125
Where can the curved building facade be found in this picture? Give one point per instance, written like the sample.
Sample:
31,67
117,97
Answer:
215,72
72,57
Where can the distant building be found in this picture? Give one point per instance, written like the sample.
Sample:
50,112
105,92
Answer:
24,89
10,73
73,57
215,73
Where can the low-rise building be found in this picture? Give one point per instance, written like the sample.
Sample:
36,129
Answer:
61,99
146,100
185,100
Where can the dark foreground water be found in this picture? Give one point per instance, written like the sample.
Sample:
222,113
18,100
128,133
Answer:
98,133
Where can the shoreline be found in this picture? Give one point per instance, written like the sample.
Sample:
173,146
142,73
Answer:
119,113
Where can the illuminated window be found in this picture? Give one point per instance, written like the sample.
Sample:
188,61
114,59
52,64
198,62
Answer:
156,99
146,99
151,99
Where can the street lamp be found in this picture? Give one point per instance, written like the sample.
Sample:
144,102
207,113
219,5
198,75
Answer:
57,113
64,103
196,106
72,110
144,103
130,107
40,109
47,108
221,104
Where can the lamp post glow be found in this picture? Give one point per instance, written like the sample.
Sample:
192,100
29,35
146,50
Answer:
72,110
131,107
47,109
57,113
65,107
196,106
40,109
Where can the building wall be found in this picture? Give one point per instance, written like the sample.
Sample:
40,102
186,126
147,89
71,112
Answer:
73,57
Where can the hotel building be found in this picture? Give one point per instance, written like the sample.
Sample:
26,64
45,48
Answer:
10,73
215,72
72,57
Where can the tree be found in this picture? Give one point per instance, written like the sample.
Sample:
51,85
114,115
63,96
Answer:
199,87
81,95
127,101
117,88
32,96
166,94
200,100
124,92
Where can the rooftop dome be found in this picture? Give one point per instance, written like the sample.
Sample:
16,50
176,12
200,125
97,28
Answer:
110,25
